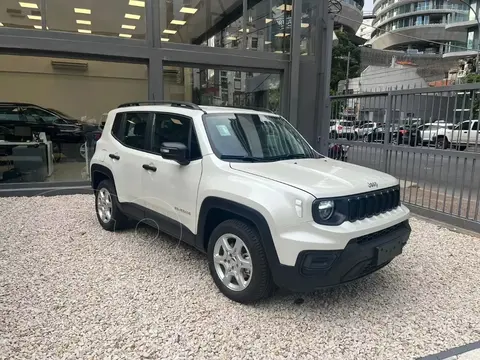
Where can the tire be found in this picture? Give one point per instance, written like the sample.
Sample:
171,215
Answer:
115,220
334,135
441,143
365,139
258,282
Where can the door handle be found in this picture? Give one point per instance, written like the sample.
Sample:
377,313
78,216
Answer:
149,167
115,157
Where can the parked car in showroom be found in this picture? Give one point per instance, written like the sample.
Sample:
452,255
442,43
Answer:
407,135
245,187
378,134
67,134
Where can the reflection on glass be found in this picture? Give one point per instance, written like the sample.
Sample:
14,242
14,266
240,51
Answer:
222,88
25,15
216,23
123,19
52,110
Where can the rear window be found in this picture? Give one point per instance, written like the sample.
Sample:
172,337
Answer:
346,123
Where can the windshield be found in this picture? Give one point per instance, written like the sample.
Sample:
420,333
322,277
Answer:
252,137
65,116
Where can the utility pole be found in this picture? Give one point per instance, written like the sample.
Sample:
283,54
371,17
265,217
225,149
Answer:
348,73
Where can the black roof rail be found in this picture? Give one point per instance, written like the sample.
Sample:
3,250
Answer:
251,108
184,104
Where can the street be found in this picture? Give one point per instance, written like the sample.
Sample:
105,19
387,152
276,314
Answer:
447,176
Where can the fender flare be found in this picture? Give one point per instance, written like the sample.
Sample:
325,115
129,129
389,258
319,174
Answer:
243,211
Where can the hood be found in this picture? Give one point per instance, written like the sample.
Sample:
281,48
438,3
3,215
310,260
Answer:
320,177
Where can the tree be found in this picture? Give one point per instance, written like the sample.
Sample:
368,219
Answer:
340,60
474,95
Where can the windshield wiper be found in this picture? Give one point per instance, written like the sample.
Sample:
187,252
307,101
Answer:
241,158
288,157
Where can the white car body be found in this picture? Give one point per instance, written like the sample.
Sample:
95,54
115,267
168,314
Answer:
279,196
429,131
365,129
463,134
341,128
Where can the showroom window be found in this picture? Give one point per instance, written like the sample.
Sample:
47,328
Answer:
122,19
218,87
208,23
53,113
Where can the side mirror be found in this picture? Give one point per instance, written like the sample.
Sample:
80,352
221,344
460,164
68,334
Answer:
175,151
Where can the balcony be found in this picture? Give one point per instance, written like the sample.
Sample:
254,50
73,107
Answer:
460,22
460,49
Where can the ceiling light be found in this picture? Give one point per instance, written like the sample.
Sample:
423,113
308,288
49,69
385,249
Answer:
125,35
84,31
164,39
268,21
28,5
231,38
188,10
268,42
38,27
304,25
1,24
84,22
35,17
285,7
166,31
278,52
132,16
82,11
241,30
129,27
136,3
281,35
178,22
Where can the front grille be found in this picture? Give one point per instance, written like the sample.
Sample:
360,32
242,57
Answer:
373,203
366,238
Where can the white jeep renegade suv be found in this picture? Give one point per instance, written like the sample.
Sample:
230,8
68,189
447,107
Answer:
246,188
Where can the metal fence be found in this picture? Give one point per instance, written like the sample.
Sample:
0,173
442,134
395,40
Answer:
428,138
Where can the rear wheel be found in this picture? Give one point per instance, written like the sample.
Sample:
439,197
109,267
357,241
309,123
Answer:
108,212
441,143
238,263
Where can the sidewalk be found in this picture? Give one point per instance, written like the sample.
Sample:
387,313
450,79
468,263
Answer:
466,352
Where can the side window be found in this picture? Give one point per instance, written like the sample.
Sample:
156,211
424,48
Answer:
466,125
175,128
39,115
9,114
475,125
130,129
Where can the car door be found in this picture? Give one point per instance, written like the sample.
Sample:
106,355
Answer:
170,189
464,132
126,154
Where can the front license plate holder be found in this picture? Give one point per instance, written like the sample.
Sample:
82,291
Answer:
388,251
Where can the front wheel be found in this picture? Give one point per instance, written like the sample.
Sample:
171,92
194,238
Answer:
238,263
441,143
108,211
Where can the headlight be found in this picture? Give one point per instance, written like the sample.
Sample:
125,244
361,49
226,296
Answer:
326,209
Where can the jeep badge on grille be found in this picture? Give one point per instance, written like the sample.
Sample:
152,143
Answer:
372,184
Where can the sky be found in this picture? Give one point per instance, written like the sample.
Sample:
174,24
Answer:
368,6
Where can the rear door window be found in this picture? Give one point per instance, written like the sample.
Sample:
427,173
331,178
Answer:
10,114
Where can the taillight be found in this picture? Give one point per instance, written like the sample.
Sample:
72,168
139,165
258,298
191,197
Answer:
403,132
339,127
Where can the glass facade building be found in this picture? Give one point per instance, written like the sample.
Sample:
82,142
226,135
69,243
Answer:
65,64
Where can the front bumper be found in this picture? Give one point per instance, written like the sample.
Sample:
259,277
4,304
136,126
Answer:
363,255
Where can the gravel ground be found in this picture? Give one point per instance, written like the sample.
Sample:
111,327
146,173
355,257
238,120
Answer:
71,290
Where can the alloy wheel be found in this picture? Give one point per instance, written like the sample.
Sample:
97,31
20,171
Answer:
104,205
232,261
